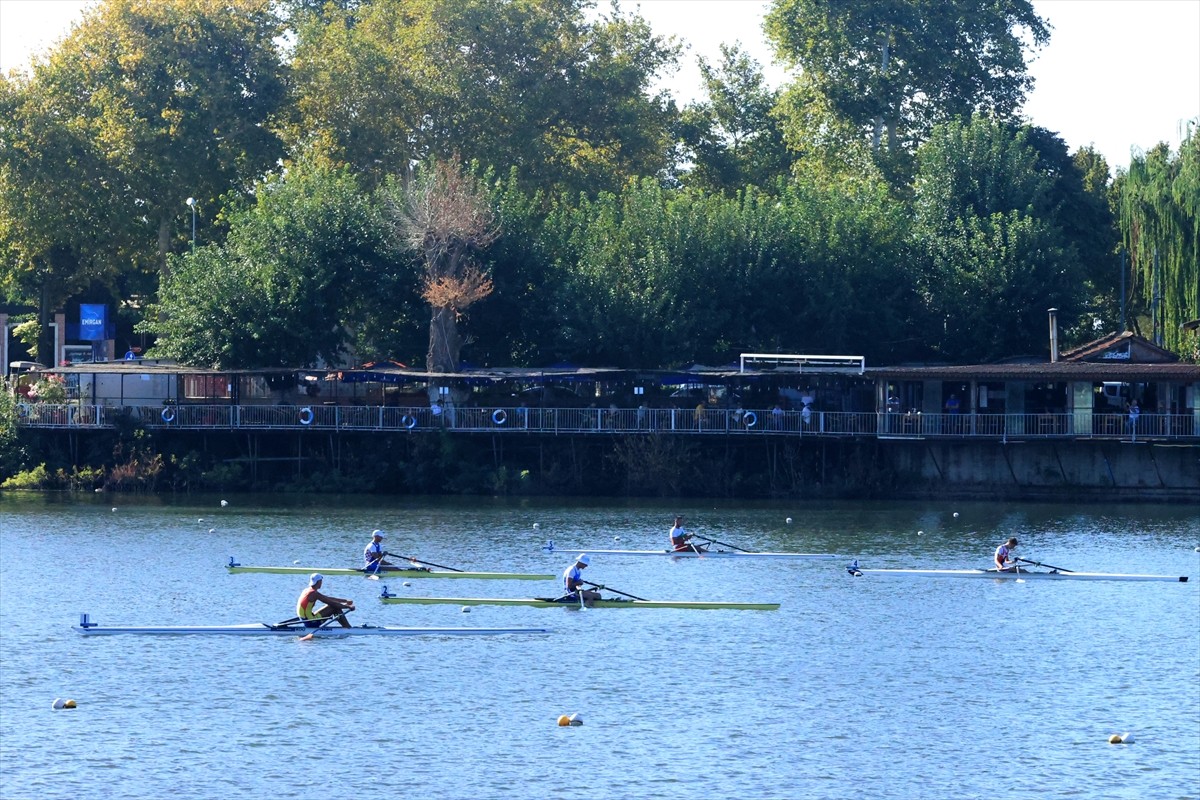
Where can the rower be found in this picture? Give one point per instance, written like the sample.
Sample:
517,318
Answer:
1003,562
573,582
313,617
373,554
680,538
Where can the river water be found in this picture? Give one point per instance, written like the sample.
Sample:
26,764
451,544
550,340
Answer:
856,687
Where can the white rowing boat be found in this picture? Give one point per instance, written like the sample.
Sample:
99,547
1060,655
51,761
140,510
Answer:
235,568
1019,574
562,602
714,553
89,628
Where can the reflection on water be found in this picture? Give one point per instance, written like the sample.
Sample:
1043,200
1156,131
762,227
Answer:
884,688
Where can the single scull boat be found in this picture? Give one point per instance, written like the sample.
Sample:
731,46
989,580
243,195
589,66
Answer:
87,627
397,572
1022,574
562,602
702,553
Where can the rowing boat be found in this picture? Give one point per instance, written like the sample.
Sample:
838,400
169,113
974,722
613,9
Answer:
89,628
562,602
1023,574
711,554
397,572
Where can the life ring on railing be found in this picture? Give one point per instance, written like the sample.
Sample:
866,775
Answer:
22,410
499,416
750,419
168,414
306,416
408,421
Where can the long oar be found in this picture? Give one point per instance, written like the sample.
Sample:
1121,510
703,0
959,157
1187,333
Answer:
1040,564
723,544
609,588
426,563
324,622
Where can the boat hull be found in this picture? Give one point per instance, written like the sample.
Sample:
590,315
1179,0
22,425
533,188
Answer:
713,554
1022,575
546,602
263,629
235,569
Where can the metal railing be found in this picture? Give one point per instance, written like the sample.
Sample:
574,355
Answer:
600,421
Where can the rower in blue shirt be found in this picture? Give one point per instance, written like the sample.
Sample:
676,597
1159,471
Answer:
573,582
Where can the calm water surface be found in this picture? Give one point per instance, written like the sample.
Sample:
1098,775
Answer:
856,687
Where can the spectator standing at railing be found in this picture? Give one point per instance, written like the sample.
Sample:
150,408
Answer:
777,417
1134,413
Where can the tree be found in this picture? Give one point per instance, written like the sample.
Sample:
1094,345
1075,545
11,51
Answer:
987,218
731,139
892,69
145,103
290,284
444,214
533,85
1159,200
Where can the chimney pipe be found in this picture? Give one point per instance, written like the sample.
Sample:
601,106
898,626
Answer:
1053,335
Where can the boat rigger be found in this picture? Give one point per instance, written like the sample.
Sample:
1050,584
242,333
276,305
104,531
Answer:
89,628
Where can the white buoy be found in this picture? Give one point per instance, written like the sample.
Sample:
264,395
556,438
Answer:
200,520
466,609
224,503
789,520
616,538
114,510
920,533
212,530
297,561
956,515
575,719
59,703
536,526
407,583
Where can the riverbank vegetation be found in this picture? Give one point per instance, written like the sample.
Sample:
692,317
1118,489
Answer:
242,181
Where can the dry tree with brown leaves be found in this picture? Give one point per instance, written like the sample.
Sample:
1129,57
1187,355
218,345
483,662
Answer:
445,215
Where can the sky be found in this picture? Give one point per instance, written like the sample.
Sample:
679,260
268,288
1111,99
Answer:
1117,74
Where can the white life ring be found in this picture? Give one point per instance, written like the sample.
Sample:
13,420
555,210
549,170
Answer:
408,421
168,414
750,419
306,416
22,410
499,416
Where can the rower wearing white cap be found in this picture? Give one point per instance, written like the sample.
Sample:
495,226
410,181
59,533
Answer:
306,606
374,554
573,581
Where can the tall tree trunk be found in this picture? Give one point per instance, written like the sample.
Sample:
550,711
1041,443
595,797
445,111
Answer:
445,344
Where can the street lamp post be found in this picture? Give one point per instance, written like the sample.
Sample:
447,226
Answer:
191,201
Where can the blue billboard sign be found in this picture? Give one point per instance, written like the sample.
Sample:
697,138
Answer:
93,320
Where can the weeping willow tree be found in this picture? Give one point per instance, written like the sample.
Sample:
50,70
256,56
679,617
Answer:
1160,227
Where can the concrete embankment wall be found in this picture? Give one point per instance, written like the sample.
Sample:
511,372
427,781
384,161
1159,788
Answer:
1063,470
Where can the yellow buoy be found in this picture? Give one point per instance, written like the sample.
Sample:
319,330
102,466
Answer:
564,721
69,704
1115,739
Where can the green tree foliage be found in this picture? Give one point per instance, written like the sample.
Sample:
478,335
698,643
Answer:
145,103
526,84
1159,201
987,211
657,277
731,139
891,69
300,267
